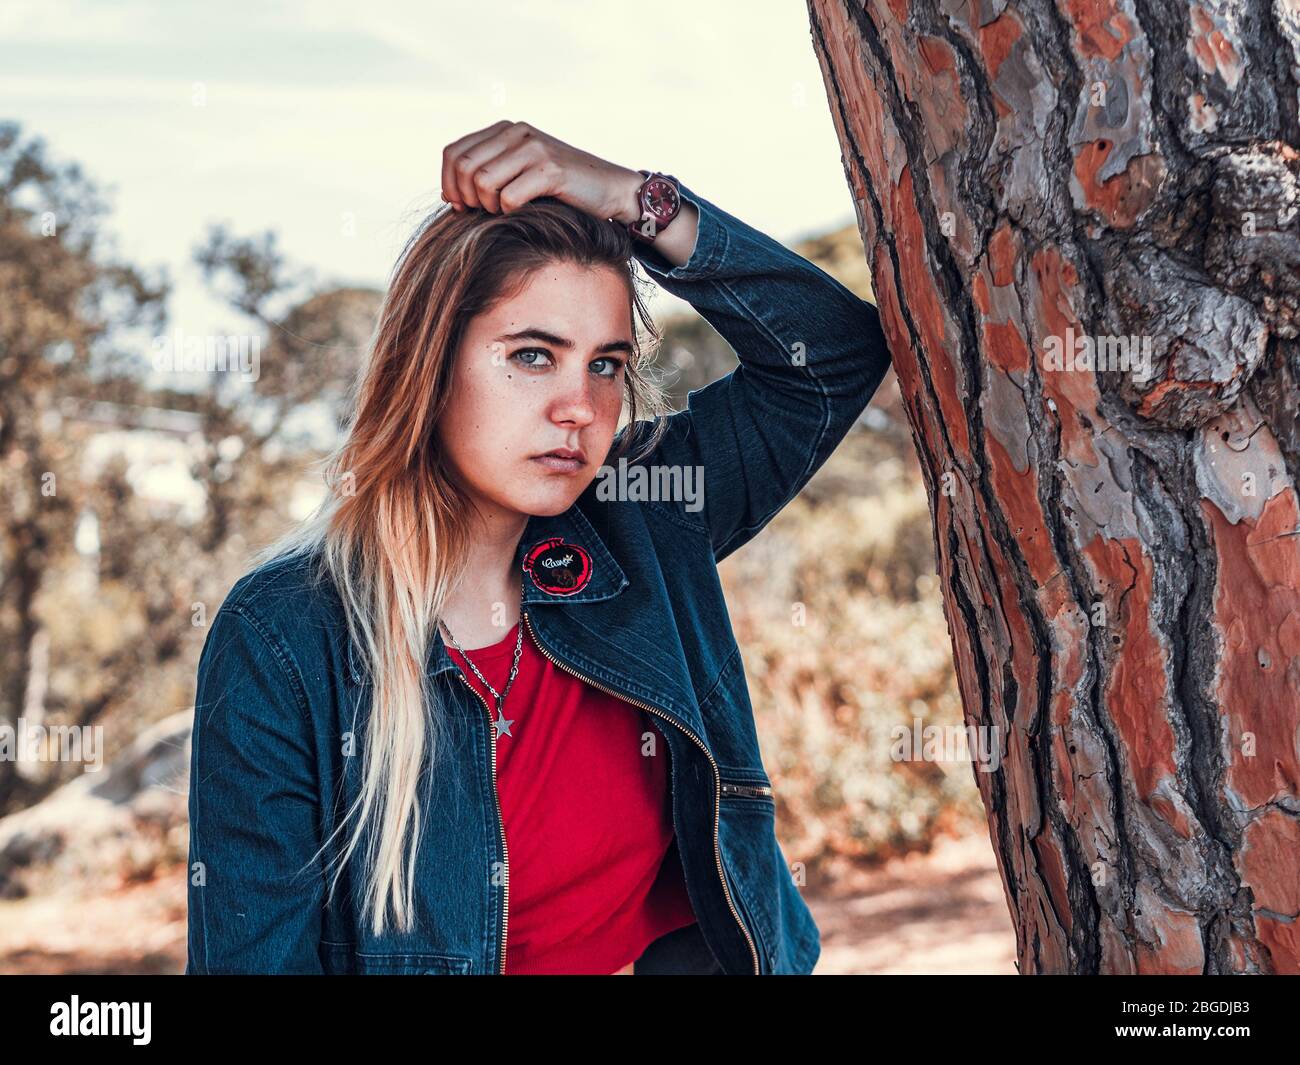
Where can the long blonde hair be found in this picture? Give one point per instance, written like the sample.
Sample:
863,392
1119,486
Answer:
393,531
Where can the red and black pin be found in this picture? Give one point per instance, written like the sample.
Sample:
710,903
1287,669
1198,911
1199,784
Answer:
558,568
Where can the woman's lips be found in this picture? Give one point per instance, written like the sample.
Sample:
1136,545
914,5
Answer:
554,462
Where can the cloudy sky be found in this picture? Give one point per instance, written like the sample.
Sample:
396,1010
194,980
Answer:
326,122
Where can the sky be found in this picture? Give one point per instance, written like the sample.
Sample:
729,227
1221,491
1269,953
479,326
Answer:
326,122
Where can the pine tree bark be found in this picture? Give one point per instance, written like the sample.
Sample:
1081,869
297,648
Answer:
1119,550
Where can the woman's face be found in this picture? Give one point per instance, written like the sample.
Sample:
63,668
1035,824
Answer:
540,371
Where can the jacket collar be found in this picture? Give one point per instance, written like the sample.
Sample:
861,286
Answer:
572,526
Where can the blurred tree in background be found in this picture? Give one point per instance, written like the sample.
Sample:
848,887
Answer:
105,589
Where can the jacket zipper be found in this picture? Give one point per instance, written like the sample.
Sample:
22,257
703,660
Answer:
501,826
717,777
747,791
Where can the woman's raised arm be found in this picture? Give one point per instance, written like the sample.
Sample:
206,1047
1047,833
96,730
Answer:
811,356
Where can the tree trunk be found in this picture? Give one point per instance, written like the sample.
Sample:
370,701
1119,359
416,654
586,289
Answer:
1081,220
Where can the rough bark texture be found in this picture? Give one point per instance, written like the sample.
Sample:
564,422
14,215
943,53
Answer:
1120,555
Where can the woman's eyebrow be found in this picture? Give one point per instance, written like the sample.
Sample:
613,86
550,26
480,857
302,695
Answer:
533,333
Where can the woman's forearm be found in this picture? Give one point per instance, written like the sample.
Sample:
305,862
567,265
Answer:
502,167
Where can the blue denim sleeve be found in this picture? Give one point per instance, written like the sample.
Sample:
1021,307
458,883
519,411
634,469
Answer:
253,809
811,356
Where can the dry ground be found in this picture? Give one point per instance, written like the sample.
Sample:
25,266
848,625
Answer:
942,912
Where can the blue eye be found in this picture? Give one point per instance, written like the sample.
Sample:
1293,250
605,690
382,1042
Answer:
521,356
530,351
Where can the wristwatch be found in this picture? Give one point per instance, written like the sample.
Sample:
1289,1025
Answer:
660,202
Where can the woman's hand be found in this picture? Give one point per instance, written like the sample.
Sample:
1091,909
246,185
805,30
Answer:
502,167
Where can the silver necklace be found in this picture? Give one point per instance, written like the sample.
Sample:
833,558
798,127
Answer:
501,724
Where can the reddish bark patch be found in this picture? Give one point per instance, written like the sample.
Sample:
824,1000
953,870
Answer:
1180,951
1021,650
937,55
860,119
930,81
1213,51
1101,29
979,290
1282,940
926,304
1167,399
899,8
1171,815
1005,347
908,371
1120,199
1003,252
1269,862
1055,281
1137,693
1257,612
1052,868
1018,495
997,39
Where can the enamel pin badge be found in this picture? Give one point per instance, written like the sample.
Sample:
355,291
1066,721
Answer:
558,568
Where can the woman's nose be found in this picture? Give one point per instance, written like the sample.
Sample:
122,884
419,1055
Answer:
575,403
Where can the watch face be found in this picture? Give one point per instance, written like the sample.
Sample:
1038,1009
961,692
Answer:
661,198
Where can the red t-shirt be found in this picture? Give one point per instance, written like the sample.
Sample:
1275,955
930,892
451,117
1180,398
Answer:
583,777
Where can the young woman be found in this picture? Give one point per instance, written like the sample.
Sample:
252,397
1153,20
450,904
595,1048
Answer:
484,711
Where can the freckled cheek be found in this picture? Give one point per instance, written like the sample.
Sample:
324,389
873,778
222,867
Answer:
502,403
477,422
612,409
491,398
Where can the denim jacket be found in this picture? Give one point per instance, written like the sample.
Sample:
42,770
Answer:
282,692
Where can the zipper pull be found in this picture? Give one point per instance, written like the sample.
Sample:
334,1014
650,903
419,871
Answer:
750,791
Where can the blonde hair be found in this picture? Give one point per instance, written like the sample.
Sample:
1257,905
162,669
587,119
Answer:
396,537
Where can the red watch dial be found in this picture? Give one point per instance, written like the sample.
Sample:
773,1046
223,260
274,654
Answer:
661,198
660,203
